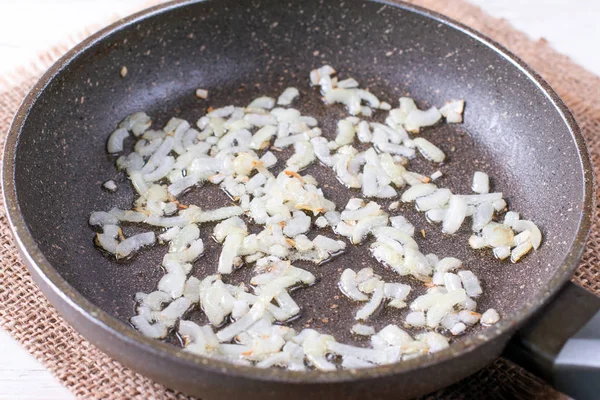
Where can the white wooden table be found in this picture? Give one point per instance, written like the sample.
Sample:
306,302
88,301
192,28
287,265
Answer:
30,26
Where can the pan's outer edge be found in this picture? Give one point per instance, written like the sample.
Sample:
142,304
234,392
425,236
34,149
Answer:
75,307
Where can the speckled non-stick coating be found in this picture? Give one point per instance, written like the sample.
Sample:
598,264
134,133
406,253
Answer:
239,50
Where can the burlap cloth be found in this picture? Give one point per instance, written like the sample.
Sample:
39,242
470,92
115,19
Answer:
89,373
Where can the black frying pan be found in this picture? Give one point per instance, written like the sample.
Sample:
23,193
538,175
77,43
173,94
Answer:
515,127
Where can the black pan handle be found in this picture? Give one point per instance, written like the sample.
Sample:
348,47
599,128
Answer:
562,343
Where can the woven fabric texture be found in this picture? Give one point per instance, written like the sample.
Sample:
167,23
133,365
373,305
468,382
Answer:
89,373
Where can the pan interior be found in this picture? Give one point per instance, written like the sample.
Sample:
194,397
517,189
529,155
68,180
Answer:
240,50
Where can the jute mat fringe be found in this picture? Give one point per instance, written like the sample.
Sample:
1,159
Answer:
89,373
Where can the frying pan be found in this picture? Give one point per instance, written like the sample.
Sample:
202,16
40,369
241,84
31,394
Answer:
516,128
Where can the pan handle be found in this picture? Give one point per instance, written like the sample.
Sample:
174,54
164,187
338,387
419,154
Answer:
562,343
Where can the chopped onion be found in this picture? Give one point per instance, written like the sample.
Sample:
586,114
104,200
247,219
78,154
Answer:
474,199
483,215
101,218
498,235
363,330
134,243
416,319
519,251
435,200
115,141
417,191
262,136
470,283
417,119
368,309
287,97
228,150
481,182
304,155
489,317
436,175
510,218
469,317
262,102
455,215
155,331
349,286
502,252
453,111
524,225
231,248
429,150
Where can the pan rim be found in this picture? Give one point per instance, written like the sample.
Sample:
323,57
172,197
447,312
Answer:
43,271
